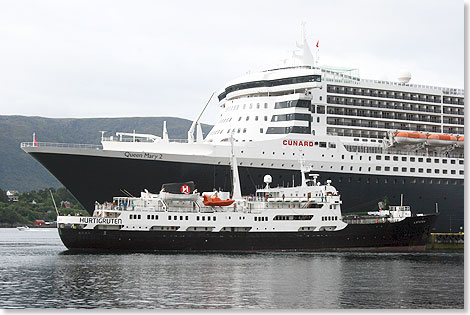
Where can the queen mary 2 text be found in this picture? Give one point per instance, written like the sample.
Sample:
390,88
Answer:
298,143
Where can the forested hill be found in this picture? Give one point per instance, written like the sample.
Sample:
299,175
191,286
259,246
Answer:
19,171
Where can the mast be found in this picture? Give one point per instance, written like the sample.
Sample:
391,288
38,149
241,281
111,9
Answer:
236,190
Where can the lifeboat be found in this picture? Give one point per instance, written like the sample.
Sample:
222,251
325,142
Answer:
441,140
215,201
404,137
460,141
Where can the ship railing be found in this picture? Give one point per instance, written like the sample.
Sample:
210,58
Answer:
137,139
374,220
342,78
61,145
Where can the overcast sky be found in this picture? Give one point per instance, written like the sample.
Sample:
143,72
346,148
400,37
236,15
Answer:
165,58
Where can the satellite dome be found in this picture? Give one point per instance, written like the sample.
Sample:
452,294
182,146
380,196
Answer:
404,76
268,179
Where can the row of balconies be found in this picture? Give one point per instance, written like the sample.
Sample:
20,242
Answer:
385,125
385,93
386,115
385,104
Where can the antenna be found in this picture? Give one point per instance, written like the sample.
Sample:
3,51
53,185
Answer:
165,132
55,206
125,192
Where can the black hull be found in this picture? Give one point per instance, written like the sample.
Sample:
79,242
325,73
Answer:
91,178
408,235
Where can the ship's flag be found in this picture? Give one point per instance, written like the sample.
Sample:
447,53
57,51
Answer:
318,43
36,143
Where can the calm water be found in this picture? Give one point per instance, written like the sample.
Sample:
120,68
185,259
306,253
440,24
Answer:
36,271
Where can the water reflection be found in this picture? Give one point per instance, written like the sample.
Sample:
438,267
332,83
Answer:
37,272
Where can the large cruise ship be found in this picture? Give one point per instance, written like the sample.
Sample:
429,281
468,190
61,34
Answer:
375,139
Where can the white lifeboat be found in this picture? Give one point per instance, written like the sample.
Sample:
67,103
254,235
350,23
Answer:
405,137
441,140
460,141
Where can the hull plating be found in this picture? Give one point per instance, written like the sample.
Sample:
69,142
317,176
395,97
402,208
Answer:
91,178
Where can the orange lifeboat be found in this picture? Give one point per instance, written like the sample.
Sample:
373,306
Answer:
441,140
460,141
215,201
409,137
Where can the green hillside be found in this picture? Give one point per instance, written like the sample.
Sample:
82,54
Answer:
19,171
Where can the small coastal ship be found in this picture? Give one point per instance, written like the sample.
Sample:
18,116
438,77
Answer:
306,217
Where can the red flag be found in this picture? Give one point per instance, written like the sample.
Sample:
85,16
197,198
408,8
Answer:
36,143
317,43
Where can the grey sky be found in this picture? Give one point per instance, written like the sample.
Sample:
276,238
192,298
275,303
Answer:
164,58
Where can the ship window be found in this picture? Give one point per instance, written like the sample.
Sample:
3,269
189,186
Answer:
420,170
203,218
387,168
403,169
395,169
175,217
260,130
156,217
395,158
428,160
257,105
244,130
420,159
461,172
412,169
239,118
247,118
461,162
139,216
436,171
256,218
169,217
428,170
378,168
181,217
444,161
452,171
378,157
436,160
256,118
342,156
213,218
352,157
265,105
342,167
452,161
444,171
387,158
187,218
197,218
412,159
209,218
265,118
403,158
